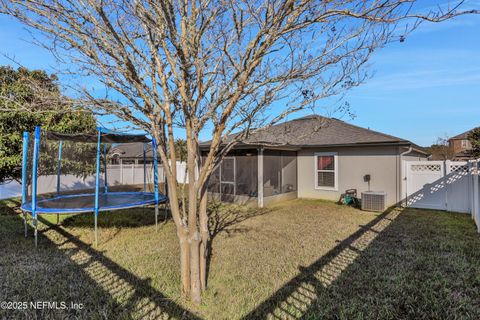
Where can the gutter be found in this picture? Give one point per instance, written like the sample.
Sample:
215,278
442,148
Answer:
298,147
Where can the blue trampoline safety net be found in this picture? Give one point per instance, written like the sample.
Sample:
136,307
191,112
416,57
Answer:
67,168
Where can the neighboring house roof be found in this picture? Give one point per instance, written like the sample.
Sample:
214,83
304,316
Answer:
463,135
131,150
318,131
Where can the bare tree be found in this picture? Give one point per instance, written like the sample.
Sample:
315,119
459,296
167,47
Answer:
441,149
220,66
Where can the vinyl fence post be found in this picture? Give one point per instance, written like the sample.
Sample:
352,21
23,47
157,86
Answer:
144,167
59,167
476,195
471,188
121,171
446,170
474,188
105,163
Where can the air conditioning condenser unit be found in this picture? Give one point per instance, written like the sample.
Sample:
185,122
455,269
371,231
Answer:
374,200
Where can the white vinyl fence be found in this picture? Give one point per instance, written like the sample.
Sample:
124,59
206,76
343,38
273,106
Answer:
120,174
10,189
126,174
443,185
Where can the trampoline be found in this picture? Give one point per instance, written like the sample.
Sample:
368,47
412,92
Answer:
78,173
79,203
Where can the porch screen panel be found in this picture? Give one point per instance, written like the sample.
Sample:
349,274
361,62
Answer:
228,170
272,173
289,171
246,175
227,179
214,181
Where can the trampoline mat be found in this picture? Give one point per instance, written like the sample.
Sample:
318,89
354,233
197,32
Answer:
86,202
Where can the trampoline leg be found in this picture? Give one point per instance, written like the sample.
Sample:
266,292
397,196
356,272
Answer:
58,218
96,232
25,224
35,225
156,217
166,213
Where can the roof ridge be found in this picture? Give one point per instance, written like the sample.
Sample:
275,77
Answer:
316,116
341,131
369,130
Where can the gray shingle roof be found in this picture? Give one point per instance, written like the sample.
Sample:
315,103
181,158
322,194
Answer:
315,130
463,135
132,150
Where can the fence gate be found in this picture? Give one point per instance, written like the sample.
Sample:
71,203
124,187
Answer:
442,185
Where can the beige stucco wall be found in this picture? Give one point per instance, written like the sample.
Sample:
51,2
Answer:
382,163
268,201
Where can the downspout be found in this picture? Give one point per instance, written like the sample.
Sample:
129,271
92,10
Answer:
406,152
410,148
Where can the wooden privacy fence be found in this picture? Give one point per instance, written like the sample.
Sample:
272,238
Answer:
443,185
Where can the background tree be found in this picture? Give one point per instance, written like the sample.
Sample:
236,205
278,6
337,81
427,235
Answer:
220,66
181,149
474,137
29,98
441,150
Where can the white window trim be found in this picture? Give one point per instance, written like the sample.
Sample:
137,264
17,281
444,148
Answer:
335,161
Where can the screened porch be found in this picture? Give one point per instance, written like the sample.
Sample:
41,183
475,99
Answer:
238,177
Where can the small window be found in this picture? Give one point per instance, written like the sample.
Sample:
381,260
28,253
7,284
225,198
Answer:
326,171
115,159
464,143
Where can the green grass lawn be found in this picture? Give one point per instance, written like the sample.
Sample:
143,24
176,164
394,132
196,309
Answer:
303,259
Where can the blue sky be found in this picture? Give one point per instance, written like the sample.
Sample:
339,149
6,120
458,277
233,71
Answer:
424,88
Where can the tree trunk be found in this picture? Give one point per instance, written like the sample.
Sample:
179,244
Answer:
184,264
193,228
195,290
205,235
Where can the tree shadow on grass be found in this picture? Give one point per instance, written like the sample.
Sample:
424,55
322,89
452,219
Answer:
10,206
225,218
65,269
403,264
125,218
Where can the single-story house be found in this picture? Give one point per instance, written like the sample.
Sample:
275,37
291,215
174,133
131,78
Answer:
130,153
312,157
